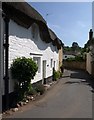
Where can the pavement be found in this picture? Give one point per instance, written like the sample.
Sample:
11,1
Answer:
71,97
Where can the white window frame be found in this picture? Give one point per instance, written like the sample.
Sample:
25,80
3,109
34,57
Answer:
38,62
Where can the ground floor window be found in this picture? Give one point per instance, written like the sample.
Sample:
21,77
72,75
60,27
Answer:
38,62
51,64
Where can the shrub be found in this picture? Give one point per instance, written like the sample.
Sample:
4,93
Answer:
31,90
23,70
56,75
77,58
40,88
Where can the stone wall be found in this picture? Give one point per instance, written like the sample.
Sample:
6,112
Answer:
75,65
90,64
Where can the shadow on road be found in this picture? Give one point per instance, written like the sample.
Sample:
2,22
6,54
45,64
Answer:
84,77
65,76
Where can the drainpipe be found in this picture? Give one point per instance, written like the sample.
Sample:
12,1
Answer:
6,48
1,60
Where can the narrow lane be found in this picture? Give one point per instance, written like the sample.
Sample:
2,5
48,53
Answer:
71,97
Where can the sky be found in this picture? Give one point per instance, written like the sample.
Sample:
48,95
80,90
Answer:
71,21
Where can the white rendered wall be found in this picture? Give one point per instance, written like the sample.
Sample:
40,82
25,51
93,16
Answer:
21,43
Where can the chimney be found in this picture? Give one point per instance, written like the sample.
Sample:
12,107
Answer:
90,34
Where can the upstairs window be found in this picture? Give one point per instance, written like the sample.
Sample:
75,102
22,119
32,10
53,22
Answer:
35,31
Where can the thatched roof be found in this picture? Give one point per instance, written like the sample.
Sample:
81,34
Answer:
52,34
55,40
22,7
25,15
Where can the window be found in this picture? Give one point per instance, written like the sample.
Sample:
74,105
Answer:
54,64
34,31
51,64
38,62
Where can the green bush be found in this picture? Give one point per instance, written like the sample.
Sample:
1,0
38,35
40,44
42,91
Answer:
31,90
77,58
40,88
23,70
56,75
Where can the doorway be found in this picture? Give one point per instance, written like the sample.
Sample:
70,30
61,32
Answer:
44,72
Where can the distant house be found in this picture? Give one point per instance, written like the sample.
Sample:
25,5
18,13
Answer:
66,56
90,55
29,36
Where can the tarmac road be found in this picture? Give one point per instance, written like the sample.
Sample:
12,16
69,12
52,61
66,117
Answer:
71,97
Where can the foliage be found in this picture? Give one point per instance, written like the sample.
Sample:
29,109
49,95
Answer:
73,48
23,70
83,50
75,45
89,42
67,48
61,74
40,88
56,75
77,58
31,90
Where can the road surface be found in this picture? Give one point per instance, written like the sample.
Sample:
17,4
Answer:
71,97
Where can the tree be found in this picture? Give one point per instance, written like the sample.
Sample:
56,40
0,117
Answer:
75,46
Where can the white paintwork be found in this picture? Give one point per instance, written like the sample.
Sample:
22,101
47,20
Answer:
22,43
65,56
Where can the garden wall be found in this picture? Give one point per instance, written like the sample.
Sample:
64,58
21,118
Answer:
75,65
90,64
